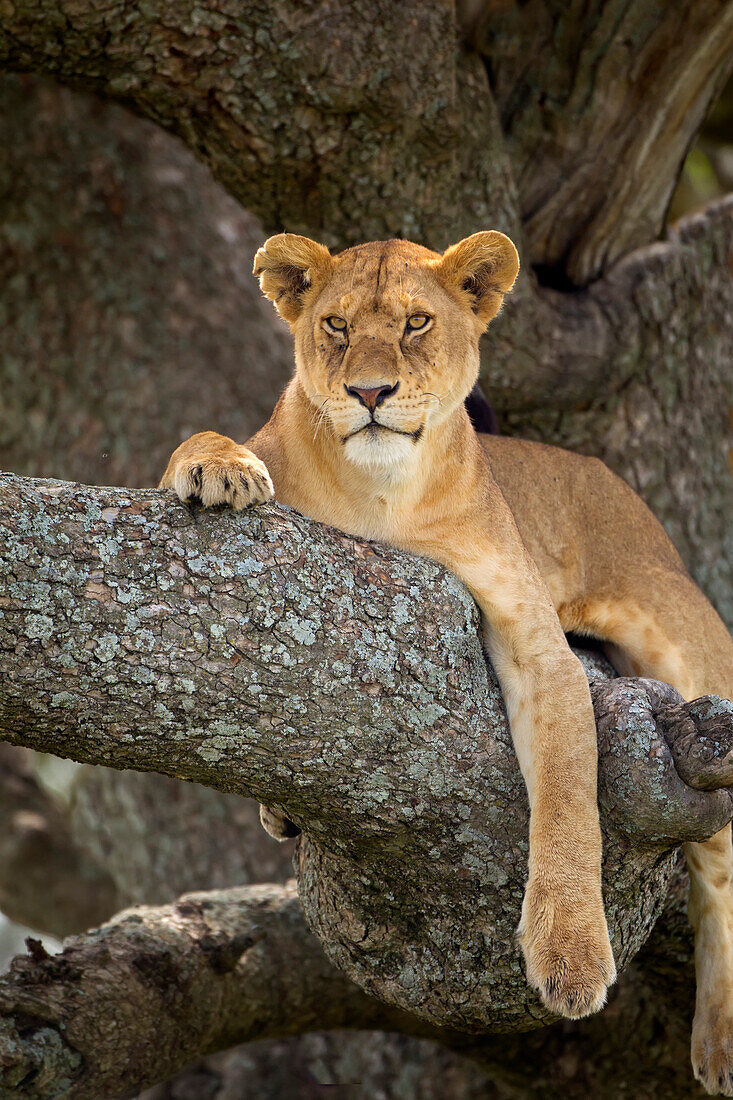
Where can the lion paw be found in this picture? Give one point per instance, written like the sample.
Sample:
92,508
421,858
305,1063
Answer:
277,824
567,952
238,479
712,1050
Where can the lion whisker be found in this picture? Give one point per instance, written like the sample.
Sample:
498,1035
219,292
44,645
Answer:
435,397
321,415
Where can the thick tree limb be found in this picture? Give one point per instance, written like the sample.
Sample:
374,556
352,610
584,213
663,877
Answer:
220,75
671,298
240,964
263,654
240,950
277,100
658,355
595,138
129,1004
599,103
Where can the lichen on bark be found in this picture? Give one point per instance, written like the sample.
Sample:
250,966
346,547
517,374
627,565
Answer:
344,682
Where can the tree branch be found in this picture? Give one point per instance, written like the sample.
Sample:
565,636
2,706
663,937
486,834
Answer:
264,654
599,103
177,982
276,99
553,349
240,965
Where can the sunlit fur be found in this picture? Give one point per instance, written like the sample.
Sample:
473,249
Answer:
545,540
375,289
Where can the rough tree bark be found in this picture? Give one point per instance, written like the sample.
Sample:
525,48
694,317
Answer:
632,369
225,948
213,970
140,633
432,142
597,127
154,259
129,314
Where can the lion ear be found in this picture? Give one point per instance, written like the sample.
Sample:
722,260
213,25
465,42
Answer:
483,266
288,267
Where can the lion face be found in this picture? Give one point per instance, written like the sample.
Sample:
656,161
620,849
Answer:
386,334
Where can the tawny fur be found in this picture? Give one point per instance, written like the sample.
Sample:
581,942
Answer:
547,541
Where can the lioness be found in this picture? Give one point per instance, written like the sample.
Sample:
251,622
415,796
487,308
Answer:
371,436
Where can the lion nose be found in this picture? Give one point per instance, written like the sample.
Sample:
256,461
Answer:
372,396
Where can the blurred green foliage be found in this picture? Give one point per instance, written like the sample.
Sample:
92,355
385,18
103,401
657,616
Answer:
708,169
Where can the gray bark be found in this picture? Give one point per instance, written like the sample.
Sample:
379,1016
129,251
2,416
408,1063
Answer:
643,385
633,368
156,973
129,314
128,1004
266,655
599,103
217,74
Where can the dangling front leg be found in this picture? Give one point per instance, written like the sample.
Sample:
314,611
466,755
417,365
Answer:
563,931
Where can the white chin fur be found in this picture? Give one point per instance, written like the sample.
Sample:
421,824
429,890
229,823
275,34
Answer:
380,451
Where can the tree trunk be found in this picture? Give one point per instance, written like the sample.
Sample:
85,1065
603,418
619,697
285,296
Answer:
234,965
129,314
599,103
150,246
525,127
416,148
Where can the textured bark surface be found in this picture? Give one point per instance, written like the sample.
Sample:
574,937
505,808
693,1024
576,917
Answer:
599,103
263,654
633,370
215,969
129,314
218,73
228,948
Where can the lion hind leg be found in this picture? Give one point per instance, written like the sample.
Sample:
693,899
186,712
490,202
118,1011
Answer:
710,909
673,634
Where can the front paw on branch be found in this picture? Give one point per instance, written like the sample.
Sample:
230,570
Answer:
236,481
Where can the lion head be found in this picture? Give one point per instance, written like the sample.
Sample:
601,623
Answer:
386,334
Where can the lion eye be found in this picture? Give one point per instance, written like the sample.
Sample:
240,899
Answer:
417,321
336,323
